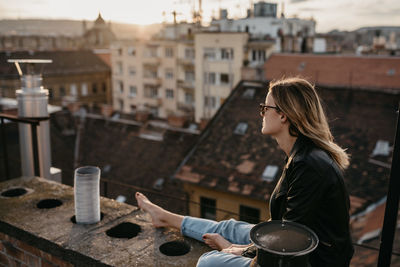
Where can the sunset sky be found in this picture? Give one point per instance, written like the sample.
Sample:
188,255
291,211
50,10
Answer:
329,14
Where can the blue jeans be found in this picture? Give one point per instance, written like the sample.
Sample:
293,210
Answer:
236,232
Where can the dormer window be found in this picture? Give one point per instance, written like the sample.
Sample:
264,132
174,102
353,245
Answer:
381,148
241,128
269,173
249,93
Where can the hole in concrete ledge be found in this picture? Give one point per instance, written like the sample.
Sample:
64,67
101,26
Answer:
73,218
175,248
48,203
15,192
124,230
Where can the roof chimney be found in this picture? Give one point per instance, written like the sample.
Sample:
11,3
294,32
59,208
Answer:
32,104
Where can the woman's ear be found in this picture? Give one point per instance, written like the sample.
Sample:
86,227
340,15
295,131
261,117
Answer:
283,117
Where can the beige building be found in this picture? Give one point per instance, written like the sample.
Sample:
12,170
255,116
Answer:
155,76
219,59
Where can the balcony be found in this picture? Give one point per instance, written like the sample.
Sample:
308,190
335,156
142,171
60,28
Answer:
187,84
186,62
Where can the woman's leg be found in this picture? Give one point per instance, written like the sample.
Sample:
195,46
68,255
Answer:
159,216
236,232
216,258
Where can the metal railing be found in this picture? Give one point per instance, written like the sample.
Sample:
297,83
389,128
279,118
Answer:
34,122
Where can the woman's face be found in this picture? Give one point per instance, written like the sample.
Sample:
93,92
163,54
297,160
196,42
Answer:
272,123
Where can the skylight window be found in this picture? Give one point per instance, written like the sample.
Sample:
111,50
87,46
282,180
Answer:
391,72
249,93
381,148
241,128
302,65
158,184
269,173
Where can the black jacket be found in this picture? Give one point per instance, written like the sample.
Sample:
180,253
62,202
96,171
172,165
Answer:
311,191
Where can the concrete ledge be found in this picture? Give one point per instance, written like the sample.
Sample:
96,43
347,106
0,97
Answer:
52,231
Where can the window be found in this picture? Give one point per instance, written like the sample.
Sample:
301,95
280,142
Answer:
209,53
104,85
84,89
208,208
94,88
73,89
249,214
209,101
189,76
249,93
62,91
132,91
269,173
169,52
119,51
150,92
188,98
120,69
226,53
151,51
169,93
121,104
241,128
189,53
133,108
381,148
224,78
132,51
209,77
121,86
169,74
154,111
132,71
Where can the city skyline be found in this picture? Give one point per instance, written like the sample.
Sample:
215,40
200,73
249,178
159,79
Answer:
329,15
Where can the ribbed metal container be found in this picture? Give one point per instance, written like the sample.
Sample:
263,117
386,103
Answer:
87,194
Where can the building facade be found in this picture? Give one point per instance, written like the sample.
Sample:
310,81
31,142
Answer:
219,58
155,76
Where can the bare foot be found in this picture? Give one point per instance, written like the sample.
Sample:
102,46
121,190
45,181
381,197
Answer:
216,241
156,212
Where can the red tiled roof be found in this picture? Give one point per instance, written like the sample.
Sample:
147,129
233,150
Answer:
367,72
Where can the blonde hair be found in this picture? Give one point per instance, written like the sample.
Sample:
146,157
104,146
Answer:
299,101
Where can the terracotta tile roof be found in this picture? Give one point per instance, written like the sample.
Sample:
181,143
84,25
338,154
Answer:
368,222
64,63
366,72
358,119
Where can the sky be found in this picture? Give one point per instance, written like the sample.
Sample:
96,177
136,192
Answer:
329,14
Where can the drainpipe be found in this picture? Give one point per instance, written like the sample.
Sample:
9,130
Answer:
32,103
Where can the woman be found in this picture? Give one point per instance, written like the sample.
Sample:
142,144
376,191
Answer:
310,191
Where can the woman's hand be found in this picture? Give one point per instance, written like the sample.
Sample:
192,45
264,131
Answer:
235,249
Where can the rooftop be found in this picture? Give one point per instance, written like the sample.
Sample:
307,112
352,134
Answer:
234,160
37,235
363,72
64,63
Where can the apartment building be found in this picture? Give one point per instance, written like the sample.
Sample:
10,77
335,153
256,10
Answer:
155,76
219,58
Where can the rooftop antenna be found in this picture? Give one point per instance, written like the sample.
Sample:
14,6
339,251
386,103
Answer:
32,104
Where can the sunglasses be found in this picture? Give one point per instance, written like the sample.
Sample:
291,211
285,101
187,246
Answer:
264,108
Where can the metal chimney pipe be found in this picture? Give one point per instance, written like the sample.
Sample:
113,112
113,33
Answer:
32,103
